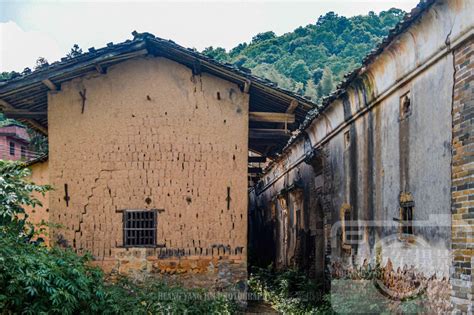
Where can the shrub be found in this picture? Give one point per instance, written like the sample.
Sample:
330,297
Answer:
15,193
35,279
289,291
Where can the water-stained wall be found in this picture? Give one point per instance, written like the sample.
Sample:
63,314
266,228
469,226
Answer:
151,135
372,172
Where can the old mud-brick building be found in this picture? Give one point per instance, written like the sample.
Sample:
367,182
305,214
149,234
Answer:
148,155
382,172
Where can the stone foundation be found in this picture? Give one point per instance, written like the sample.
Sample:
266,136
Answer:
218,273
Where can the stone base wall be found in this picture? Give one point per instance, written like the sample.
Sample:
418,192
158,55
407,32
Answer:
462,179
215,272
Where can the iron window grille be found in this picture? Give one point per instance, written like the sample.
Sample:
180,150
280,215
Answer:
139,228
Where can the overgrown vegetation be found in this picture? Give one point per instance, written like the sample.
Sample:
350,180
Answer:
35,279
311,59
289,291
374,289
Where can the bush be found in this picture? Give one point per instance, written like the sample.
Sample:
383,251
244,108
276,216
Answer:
289,292
35,279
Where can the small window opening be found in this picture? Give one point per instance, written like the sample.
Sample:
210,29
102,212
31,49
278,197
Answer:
405,106
23,152
12,148
406,216
345,217
347,228
139,228
347,139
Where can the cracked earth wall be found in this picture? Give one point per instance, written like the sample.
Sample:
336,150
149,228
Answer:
153,136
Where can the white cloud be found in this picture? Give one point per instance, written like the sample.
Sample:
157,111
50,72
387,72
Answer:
20,49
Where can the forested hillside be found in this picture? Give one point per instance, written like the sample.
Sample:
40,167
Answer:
311,59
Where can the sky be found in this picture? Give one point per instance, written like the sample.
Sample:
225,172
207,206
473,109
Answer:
33,28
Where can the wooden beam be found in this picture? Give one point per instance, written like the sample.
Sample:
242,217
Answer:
255,133
247,86
292,107
257,159
255,170
100,69
15,114
5,106
272,117
36,125
51,86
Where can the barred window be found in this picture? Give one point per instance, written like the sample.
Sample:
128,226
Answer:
406,214
139,228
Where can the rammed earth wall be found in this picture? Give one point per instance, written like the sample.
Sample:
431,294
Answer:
151,135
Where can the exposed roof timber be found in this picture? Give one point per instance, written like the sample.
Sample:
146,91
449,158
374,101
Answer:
29,92
257,159
50,84
247,86
255,170
258,133
36,125
272,117
293,105
27,83
5,106
18,113
100,69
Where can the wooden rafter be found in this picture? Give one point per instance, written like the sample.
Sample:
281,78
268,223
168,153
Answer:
50,84
293,105
5,107
257,159
272,117
259,133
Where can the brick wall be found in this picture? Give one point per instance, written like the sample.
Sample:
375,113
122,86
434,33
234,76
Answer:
462,179
153,136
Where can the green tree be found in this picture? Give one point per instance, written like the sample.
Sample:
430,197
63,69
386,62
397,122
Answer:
333,42
16,193
311,91
74,52
41,62
217,53
327,82
299,71
262,37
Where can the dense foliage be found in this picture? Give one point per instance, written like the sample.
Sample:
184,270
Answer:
35,279
311,59
15,194
289,291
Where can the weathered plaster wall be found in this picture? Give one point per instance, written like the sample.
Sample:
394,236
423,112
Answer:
40,214
368,160
153,136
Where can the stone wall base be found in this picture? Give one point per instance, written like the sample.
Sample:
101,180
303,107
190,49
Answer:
217,273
